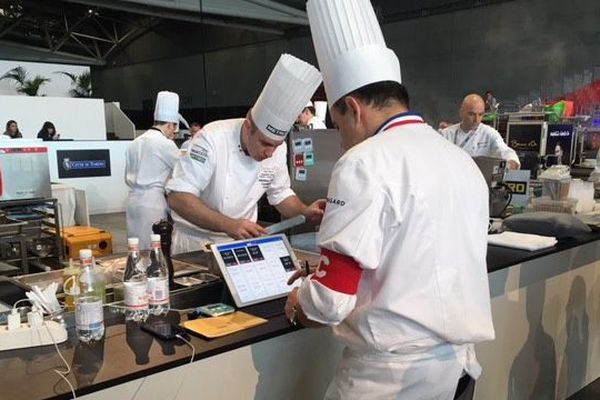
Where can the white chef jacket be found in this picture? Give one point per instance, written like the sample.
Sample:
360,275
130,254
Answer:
404,243
149,162
217,170
316,123
481,141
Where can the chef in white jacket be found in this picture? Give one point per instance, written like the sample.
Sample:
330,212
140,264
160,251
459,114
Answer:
215,188
476,138
149,162
402,277
308,118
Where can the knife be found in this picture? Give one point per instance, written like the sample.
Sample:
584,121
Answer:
285,224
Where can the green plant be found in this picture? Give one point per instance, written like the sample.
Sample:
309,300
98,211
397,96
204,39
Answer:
17,74
30,87
81,84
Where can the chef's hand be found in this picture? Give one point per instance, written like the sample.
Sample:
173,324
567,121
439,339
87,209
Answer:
513,164
314,212
300,273
243,229
291,302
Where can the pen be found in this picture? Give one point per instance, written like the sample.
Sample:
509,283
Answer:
306,268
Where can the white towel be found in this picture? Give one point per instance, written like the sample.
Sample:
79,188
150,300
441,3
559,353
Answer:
523,241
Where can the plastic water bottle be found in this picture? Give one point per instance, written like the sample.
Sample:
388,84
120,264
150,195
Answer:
158,279
89,313
135,284
71,285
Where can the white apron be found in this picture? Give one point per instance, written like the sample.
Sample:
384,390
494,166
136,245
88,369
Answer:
186,239
144,207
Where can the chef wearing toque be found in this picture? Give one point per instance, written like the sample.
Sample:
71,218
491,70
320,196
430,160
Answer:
215,188
402,277
149,162
308,119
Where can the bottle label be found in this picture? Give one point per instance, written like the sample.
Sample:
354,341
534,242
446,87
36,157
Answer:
158,290
89,315
86,262
136,295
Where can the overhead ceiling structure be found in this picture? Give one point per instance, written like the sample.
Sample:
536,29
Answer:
93,32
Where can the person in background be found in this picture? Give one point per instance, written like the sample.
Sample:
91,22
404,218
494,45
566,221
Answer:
402,277
48,132
443,125
149,163
308,119
215,188
491,104
476,138
195,129
12,130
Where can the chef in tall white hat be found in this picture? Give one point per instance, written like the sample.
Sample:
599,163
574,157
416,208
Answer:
215,188
308,118
149,163
402,278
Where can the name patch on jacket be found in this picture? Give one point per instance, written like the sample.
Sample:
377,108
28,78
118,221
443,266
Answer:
266,176
199,153
483,144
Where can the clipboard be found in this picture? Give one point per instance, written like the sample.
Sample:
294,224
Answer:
224,325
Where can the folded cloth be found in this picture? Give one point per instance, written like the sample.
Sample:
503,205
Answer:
523,241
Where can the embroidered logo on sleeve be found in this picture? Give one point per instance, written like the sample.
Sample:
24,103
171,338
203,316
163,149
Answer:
266,176
199,153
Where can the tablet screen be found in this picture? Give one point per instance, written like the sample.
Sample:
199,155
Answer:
257,269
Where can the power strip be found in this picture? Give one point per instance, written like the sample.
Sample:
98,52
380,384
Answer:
25,336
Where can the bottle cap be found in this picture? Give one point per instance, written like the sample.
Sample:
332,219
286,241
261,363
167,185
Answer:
85,253
155,238
133,241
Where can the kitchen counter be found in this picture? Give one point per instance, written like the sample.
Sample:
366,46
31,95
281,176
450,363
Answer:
276,360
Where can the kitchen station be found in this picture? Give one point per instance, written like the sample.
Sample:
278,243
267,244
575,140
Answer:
290,199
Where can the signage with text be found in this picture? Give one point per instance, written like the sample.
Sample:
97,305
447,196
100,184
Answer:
560,141
525,137
83,163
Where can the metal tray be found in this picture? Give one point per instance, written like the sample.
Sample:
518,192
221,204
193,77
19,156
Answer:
12,227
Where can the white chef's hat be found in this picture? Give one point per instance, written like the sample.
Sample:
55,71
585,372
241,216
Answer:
167,107
350,47
291,84
309,104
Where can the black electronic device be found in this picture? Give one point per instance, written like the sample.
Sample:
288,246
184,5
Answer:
527,136
164,228
161,328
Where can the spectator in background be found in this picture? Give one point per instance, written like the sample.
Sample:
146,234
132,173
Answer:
443,125
48,132
12,130
491,104
195,129
476,138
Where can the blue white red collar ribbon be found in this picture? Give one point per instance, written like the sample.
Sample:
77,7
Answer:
406,118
